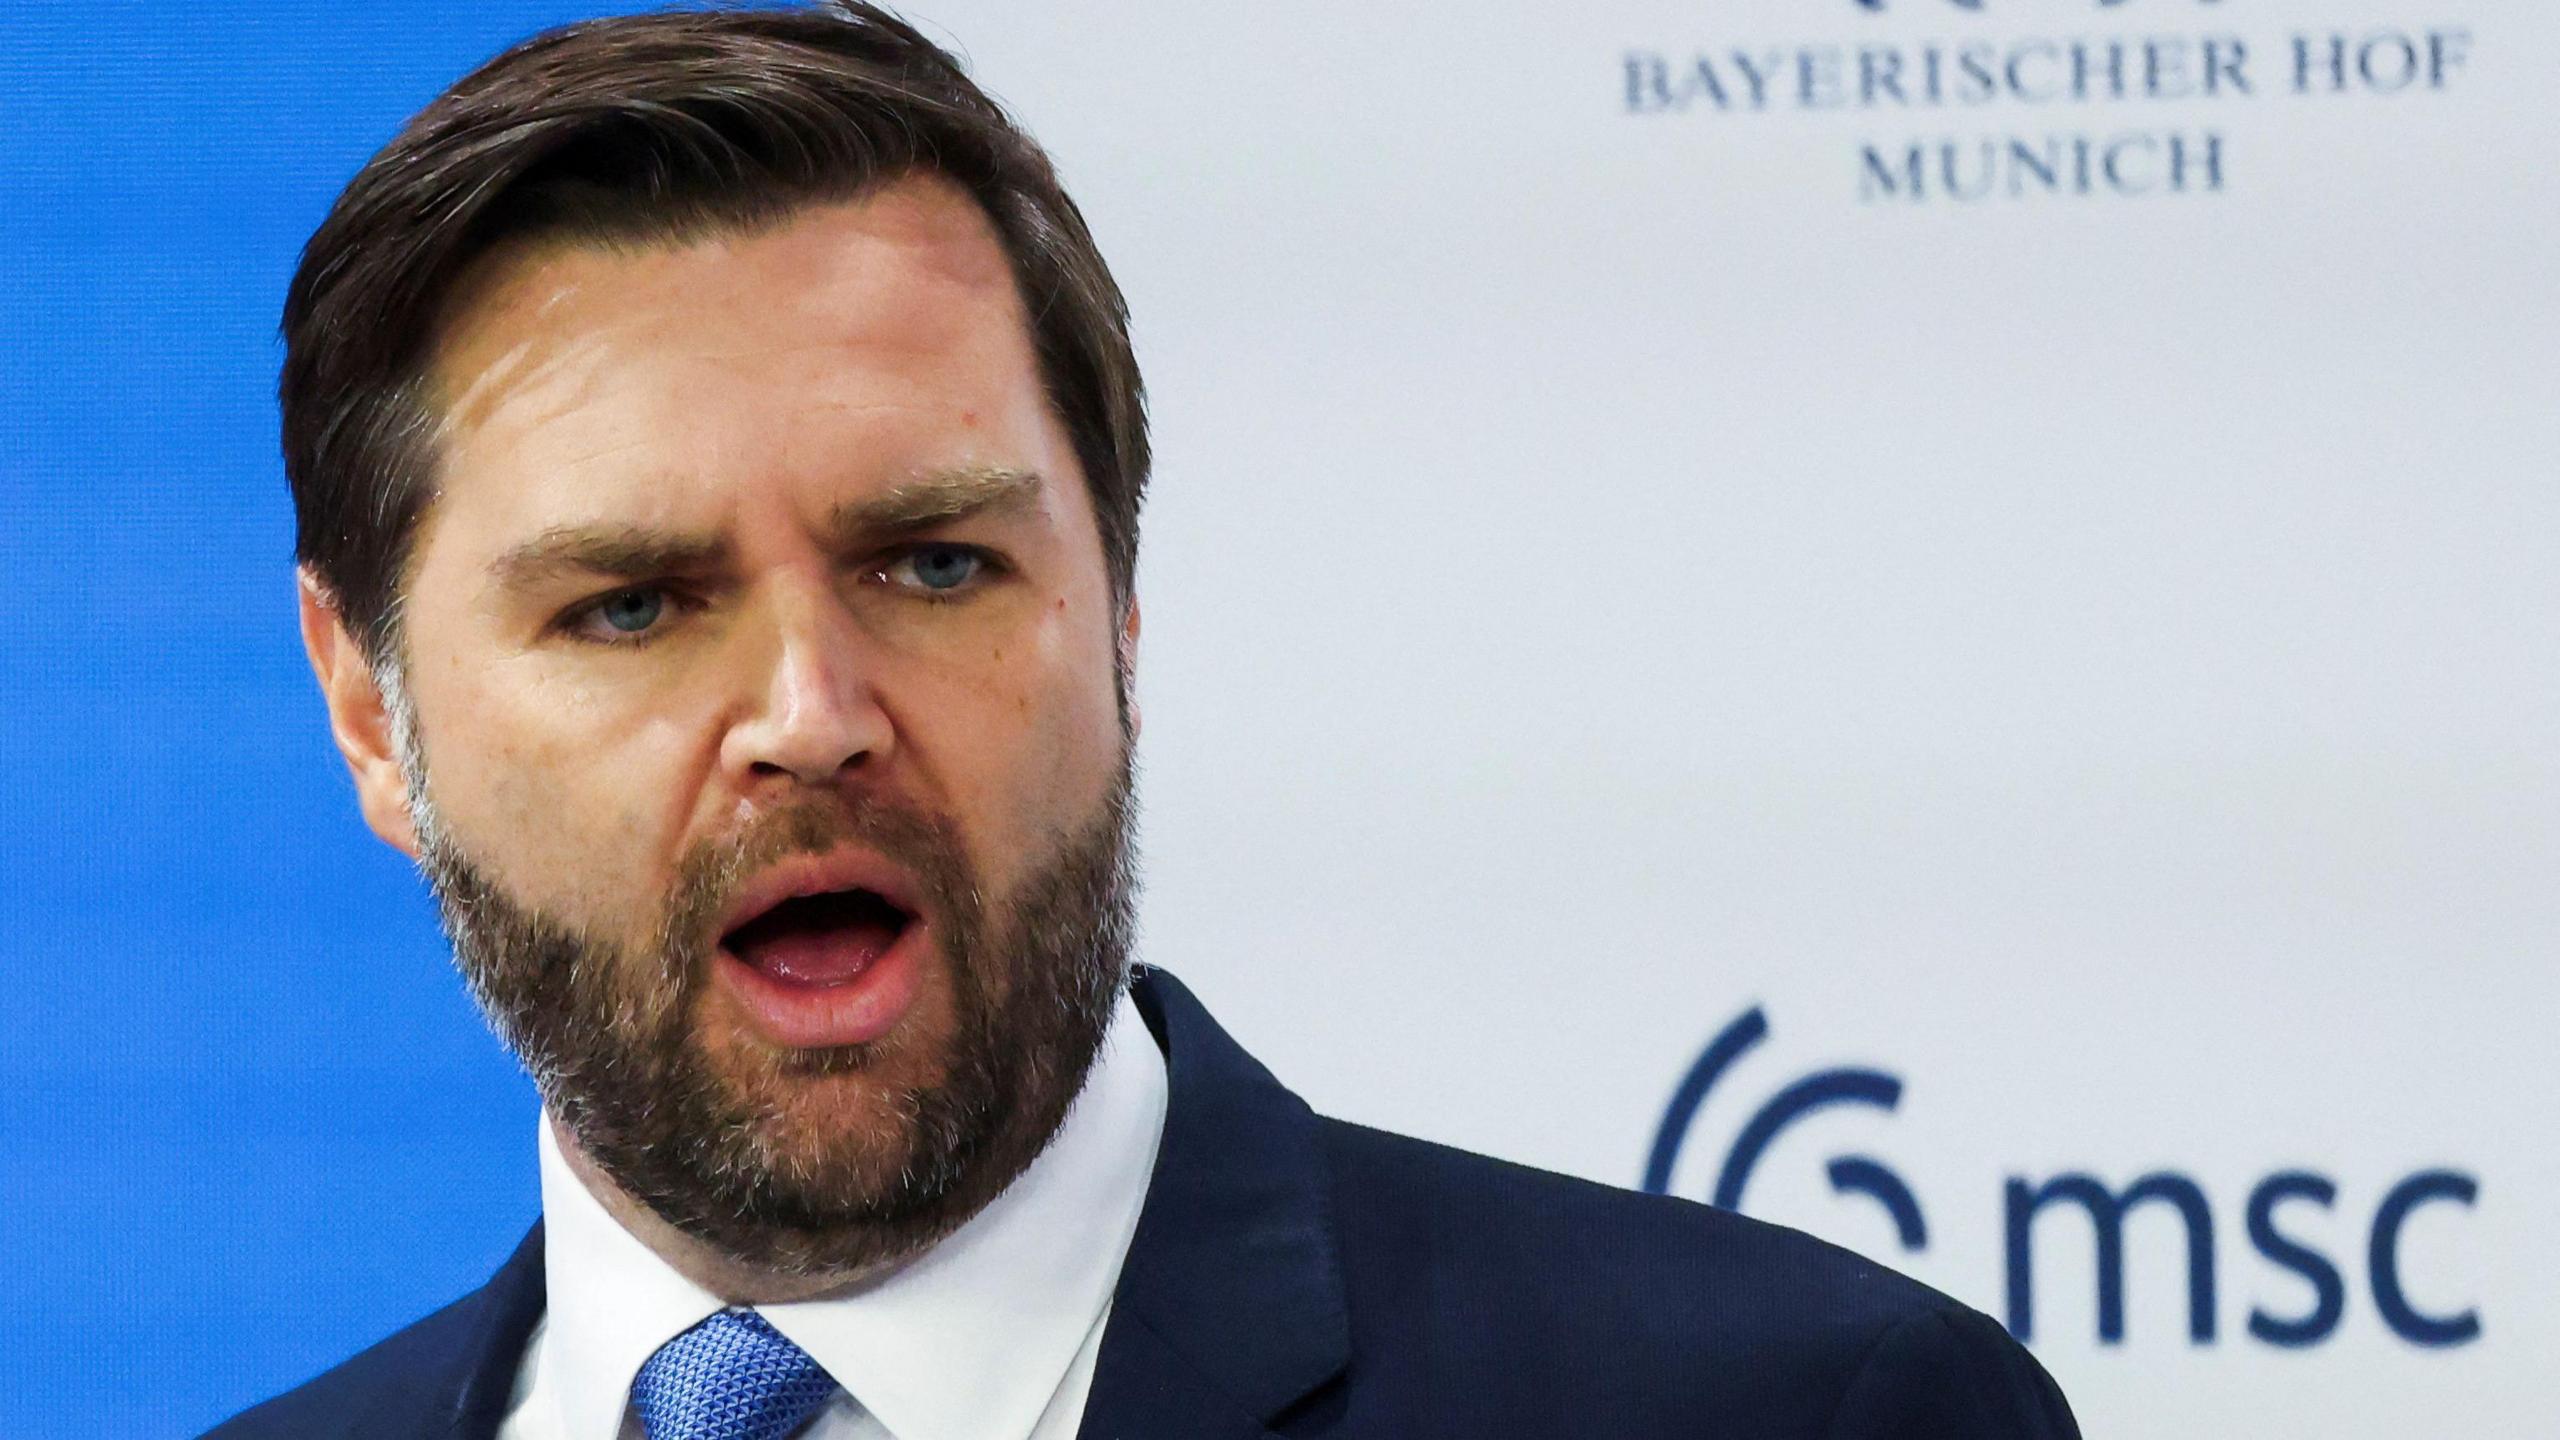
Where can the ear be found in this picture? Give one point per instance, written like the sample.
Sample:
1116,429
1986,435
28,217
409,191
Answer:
1129,662
359,720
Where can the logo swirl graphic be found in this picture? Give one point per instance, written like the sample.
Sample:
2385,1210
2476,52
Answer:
1850,1174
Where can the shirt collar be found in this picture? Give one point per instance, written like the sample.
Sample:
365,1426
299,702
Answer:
969,1339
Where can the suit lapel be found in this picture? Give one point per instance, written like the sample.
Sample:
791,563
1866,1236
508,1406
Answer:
466,1380
1230,1306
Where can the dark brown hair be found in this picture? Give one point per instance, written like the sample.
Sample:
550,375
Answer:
659,127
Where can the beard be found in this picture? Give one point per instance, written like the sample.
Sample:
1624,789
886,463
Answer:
808,1163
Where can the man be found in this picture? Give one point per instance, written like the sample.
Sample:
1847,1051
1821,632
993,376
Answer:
717,454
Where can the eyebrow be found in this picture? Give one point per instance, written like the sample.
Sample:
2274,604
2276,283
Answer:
624,552
634,552
937,499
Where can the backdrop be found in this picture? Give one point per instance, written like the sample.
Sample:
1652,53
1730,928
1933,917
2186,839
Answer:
1933,618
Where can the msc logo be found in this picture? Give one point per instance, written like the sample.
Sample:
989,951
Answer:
1849,1174
2023,1199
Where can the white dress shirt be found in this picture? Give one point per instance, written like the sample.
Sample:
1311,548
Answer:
990,1335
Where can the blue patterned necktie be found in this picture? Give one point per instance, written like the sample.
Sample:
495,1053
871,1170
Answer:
732,1377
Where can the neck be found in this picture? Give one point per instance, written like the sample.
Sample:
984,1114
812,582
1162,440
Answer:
732,1281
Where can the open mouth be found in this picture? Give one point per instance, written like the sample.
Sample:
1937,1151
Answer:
823,939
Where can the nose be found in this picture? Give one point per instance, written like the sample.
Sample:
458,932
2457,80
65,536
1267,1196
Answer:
813,711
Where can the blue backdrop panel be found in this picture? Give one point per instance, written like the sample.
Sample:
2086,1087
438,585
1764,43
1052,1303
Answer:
249,1123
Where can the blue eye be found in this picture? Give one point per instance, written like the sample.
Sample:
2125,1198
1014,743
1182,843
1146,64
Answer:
632,611
941,568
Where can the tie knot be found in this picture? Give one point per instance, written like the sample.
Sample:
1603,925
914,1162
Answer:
732,1377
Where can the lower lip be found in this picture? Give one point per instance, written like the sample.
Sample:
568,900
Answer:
851,1012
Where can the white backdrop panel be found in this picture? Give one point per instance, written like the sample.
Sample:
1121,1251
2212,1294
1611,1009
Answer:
2090,657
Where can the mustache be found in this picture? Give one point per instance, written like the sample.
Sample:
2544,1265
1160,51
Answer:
640,993
711,872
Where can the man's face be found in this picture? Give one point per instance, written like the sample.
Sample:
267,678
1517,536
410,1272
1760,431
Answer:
764,674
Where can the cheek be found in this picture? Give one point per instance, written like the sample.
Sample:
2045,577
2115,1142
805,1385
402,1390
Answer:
1025,739
1073,697
572,804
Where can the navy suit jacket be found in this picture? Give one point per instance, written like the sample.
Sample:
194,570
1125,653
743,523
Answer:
1297,1276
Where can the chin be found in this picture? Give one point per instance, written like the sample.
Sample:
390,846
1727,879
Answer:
842,1120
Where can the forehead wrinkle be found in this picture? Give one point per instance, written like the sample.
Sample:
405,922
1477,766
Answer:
604,451
546,373
515,295
556,300
515,385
